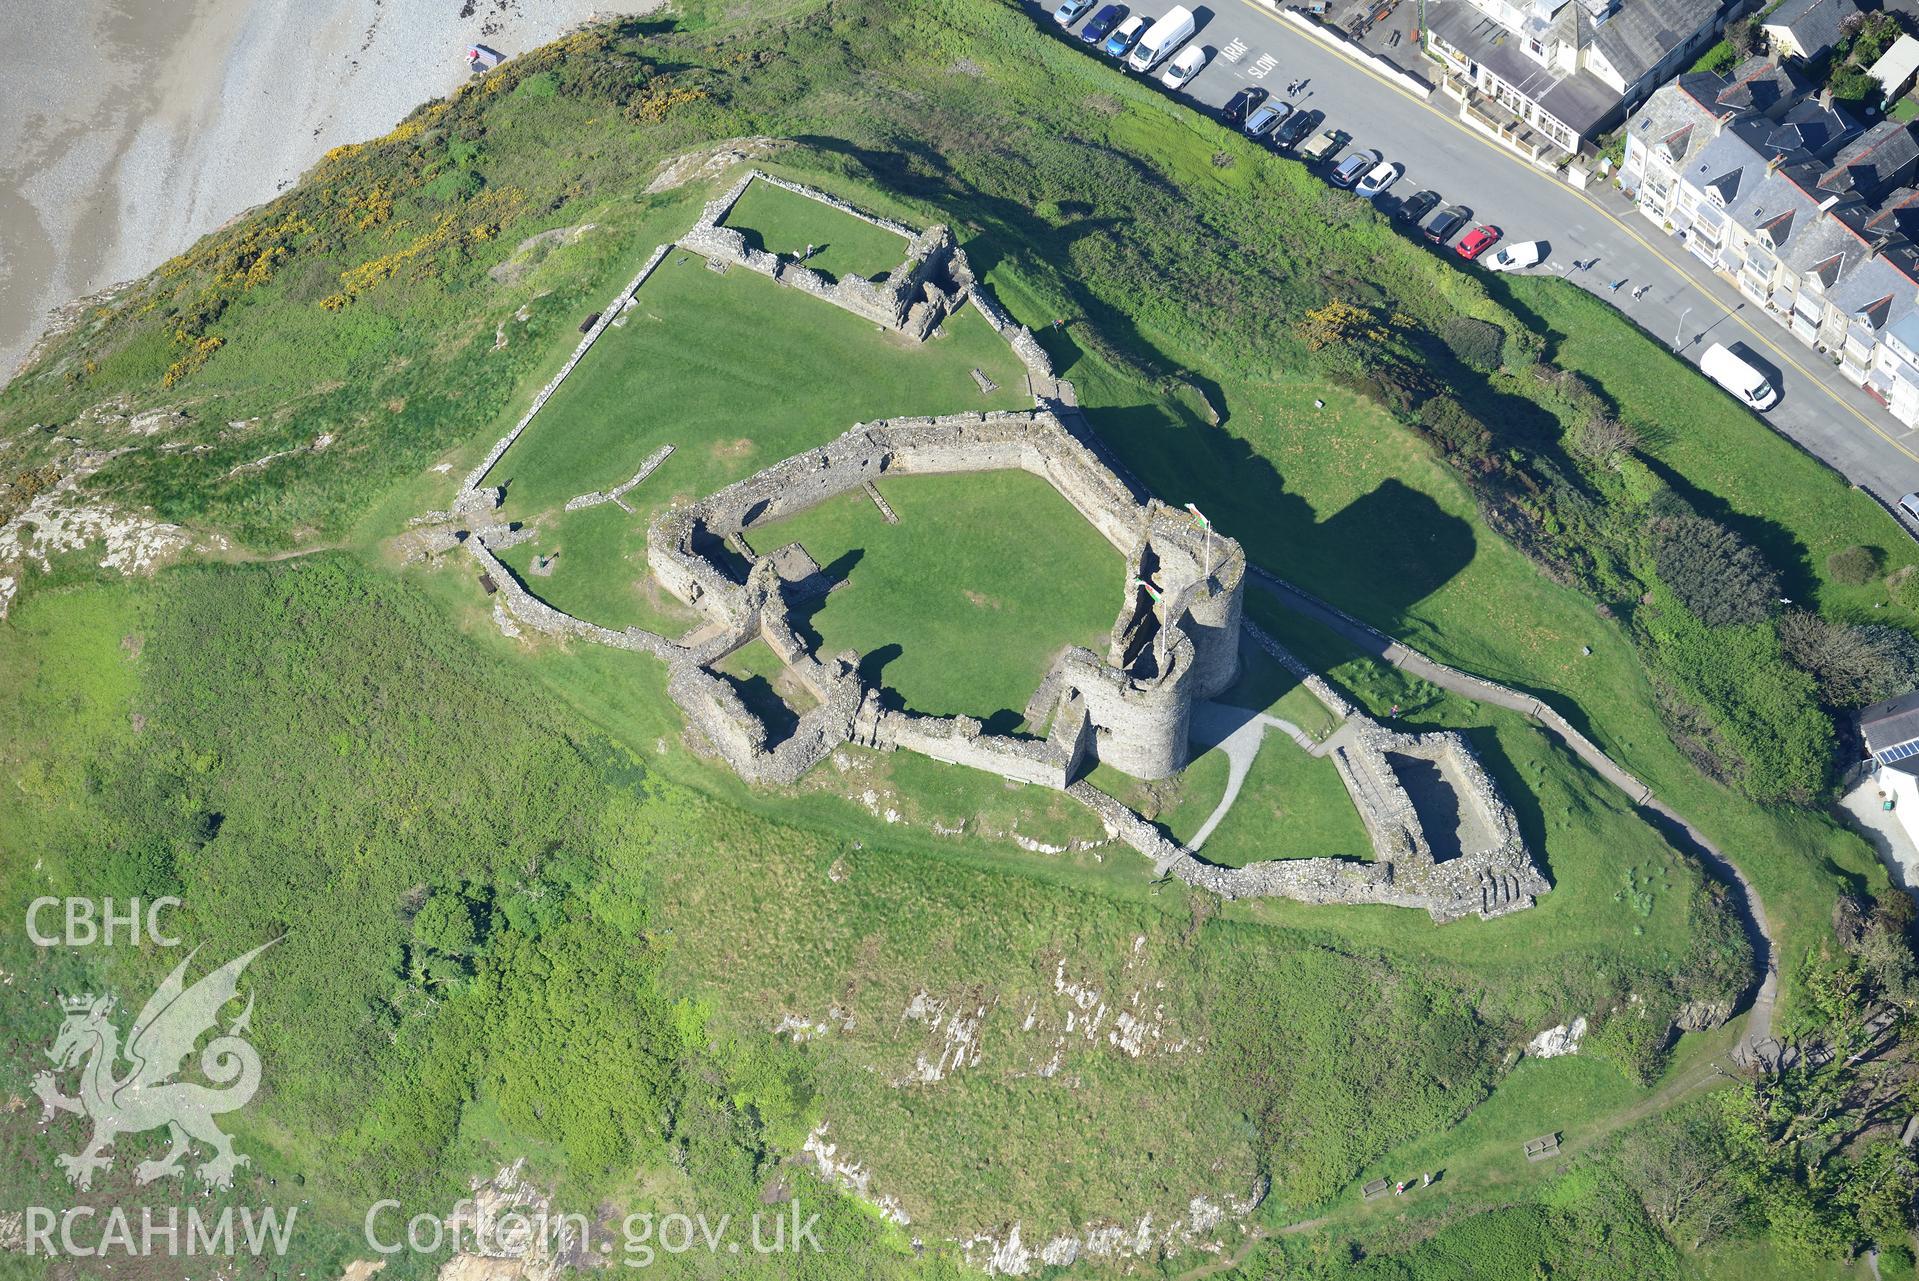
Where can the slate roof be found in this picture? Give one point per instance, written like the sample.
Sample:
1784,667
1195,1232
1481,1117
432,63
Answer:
1874,162
1680,114
1640,33
1762,85
1581,101
1889,724
1812,128
1813,23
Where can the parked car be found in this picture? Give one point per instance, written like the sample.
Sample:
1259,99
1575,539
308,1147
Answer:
1164,36
1910,505
1102,24
1736,375
1266,115
1447,222
1181,70
1071,11
1417,206
1477,241
1241,104
1378,178
1325,144
1515,257
1348,171
1296,127
1123,36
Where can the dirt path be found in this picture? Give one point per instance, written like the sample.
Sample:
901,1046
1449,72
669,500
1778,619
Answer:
1758,1044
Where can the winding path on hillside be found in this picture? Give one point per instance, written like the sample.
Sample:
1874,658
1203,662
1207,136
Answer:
1758,1045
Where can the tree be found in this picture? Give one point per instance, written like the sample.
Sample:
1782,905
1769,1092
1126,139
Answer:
1678,1164
1741,35
1852,664
1603,439
444,924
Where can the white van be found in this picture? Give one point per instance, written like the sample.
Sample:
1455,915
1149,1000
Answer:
1738,377
1164,36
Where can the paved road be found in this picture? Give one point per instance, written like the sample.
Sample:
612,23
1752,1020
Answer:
1686,305
1758,1044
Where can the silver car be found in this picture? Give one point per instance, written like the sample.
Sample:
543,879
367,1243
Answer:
1265,116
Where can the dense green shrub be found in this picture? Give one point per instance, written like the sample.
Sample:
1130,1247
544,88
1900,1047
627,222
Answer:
1478,344
1718,576
1855,565
1764,710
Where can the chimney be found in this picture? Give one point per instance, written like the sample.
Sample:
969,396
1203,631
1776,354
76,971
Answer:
1825,99
1772,166
1720,121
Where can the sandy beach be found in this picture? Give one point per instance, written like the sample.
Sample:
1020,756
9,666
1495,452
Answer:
130,128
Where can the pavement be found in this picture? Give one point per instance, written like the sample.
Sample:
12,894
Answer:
1237,732
1685,305
1883,831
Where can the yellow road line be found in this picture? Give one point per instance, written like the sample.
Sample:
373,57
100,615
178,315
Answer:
1632,232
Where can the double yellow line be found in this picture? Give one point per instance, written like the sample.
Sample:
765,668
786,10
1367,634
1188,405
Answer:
1764,340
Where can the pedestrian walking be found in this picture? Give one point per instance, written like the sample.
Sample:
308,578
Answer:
1614,286
1640,292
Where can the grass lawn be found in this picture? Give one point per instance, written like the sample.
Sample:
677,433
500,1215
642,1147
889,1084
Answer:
962,605
1292,805
1352,507
784,222
1737,470
737,373
601,572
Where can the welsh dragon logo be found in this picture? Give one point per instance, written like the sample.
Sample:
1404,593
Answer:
126,1091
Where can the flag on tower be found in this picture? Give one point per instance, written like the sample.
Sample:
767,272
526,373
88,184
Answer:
1199,516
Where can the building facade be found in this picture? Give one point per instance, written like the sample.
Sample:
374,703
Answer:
1786,198
1570,69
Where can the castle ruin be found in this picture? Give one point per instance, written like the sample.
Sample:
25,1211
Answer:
1443,837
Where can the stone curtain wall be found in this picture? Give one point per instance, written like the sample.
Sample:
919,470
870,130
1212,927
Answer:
1140,708
1130,709
911,300
478,474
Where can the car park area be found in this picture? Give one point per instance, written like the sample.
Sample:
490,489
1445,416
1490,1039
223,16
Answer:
1593,238
1250,88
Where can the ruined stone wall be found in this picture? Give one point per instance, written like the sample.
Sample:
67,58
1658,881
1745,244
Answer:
1141,726
478,474
1019,337
911,300
542,617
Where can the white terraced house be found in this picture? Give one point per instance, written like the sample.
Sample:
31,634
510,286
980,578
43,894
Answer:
1571,69
1783,196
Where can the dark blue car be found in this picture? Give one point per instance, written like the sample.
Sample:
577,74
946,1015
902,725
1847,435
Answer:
1103,23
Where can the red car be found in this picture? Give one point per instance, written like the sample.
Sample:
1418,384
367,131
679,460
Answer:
1478,241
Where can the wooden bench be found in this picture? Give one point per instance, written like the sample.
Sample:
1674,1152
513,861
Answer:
1541,1148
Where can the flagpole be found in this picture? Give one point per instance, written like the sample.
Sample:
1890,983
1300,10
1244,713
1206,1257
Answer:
1206,525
